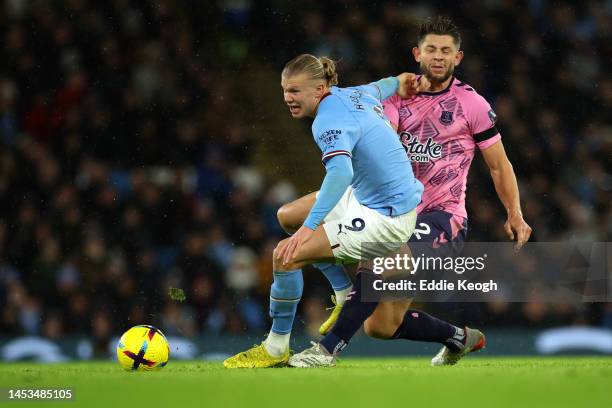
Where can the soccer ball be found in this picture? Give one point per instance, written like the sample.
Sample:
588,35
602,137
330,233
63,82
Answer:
143,348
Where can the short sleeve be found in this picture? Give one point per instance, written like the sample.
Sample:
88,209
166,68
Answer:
482,121
335,134
392,106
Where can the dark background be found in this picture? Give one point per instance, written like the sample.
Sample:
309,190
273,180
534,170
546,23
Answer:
145,145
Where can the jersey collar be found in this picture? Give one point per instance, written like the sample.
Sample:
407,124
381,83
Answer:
325,95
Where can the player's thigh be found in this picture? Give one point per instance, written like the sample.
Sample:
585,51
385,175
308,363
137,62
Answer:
316,248
387,317
292,215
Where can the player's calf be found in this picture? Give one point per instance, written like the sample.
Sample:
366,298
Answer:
386,319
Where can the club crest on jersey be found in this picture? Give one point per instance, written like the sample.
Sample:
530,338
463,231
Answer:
446,118
420,152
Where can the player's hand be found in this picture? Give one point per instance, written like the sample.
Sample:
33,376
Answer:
410,84
517,229
423,84
294,243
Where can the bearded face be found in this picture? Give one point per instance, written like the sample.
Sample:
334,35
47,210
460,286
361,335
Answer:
438,55
437,71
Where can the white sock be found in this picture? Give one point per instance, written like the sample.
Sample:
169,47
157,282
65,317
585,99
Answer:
277,344
341,295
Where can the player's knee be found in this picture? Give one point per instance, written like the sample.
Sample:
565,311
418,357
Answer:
276,256
278,261
373,329
286,219
286,267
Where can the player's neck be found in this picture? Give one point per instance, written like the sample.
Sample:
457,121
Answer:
439,86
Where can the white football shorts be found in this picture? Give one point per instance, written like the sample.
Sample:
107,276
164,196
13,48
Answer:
357,232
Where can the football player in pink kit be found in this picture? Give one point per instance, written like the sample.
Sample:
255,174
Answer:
441,129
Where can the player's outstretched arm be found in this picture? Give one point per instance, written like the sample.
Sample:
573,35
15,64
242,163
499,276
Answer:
405,85
506,186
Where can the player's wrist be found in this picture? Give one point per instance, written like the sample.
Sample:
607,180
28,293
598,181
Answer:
514,212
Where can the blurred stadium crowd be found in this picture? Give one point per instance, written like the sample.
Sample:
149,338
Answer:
126,169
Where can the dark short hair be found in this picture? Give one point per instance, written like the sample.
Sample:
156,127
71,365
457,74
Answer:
439,25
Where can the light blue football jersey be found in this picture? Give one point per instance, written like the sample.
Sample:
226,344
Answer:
351,122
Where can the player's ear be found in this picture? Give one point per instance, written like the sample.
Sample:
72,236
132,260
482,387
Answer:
416,53
320,90
458,57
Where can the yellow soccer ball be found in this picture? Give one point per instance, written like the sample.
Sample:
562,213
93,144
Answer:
143,348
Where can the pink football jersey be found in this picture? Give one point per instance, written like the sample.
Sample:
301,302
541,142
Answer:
440,131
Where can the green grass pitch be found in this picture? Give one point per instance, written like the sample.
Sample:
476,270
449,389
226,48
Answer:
474,382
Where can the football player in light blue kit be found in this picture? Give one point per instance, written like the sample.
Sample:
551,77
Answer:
369,193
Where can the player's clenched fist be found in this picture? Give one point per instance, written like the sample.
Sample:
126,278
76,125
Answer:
410,84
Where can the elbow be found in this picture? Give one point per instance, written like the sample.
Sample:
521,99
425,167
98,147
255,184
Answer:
501,166
495,173
502,170
506,168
